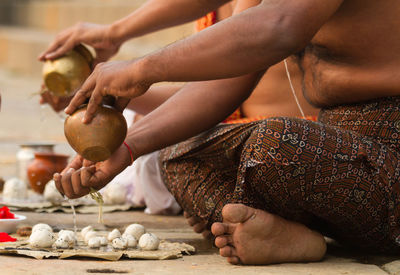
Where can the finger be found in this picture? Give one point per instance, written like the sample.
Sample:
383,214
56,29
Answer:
87,175
94,103
76,164
121,103
61,50
57,181
87,163
66,183
77,186
58,41
78,99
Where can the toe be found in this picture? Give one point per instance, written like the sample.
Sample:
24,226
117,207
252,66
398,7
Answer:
193,220
237,213
199,227
233,260
218,228
222,241
227,251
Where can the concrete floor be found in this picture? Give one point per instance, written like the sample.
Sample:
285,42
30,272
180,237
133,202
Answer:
22,120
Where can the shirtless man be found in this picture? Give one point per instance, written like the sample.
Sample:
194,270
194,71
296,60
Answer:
271,97
349,72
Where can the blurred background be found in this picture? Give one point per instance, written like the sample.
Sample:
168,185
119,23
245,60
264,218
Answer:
26,28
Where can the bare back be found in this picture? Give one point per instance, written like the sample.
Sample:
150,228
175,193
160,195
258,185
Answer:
355,56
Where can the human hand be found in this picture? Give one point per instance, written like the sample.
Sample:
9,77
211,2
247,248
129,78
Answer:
100,37
81,175
121,79
57,103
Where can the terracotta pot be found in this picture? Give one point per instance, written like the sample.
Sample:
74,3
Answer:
41,170
64,75
99,139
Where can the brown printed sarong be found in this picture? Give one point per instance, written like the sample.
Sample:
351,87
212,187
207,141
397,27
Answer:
339,176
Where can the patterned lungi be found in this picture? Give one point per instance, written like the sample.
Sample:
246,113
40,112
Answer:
339,176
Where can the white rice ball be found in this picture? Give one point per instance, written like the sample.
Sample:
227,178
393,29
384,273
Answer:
41,239
113,234
119,243
149,241
136,230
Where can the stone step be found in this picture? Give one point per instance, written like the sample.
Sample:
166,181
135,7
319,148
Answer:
20,46
54,15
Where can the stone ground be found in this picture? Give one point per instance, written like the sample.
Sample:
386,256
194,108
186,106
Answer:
23,120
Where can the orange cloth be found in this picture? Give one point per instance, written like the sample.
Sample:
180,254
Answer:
206,21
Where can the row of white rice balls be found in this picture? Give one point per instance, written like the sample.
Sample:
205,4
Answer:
135,235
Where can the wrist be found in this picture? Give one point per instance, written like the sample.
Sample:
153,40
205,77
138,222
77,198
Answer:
130,151
150,69
116,34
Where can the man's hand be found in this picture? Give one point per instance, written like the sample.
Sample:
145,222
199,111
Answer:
99,37
56,103
117,78
81,175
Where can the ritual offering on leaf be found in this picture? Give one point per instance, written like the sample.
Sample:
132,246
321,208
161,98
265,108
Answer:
99,139
44,243
64,75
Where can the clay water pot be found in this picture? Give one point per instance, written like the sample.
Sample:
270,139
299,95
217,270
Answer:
64,75
42,168
99,139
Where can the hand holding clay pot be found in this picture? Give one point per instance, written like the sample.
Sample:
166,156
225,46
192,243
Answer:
64,75
99,139
41,170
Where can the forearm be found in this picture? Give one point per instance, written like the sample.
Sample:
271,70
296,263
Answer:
195,108
250,41
155,15
153,98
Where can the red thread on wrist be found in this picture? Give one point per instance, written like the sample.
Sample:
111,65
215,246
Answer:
130,151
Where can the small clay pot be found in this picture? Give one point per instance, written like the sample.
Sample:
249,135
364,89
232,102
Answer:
1,184
99,139
43,167
64,75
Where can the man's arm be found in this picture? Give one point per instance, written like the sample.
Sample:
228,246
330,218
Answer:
153,98
250,41
152,16
196,107
155,15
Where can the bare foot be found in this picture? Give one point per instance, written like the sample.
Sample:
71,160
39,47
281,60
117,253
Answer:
199,225
253,236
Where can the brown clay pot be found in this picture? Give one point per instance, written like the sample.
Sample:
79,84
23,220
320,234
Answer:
99,139
42,168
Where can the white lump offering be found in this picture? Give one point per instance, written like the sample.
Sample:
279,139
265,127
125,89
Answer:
149,241
51,193
136,230
42,227
89,235
113,234
14,189
94,242
41,238
132,241
119,243
103,241
86,230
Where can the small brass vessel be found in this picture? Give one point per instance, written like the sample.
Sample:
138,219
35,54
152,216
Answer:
64,75
99,139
